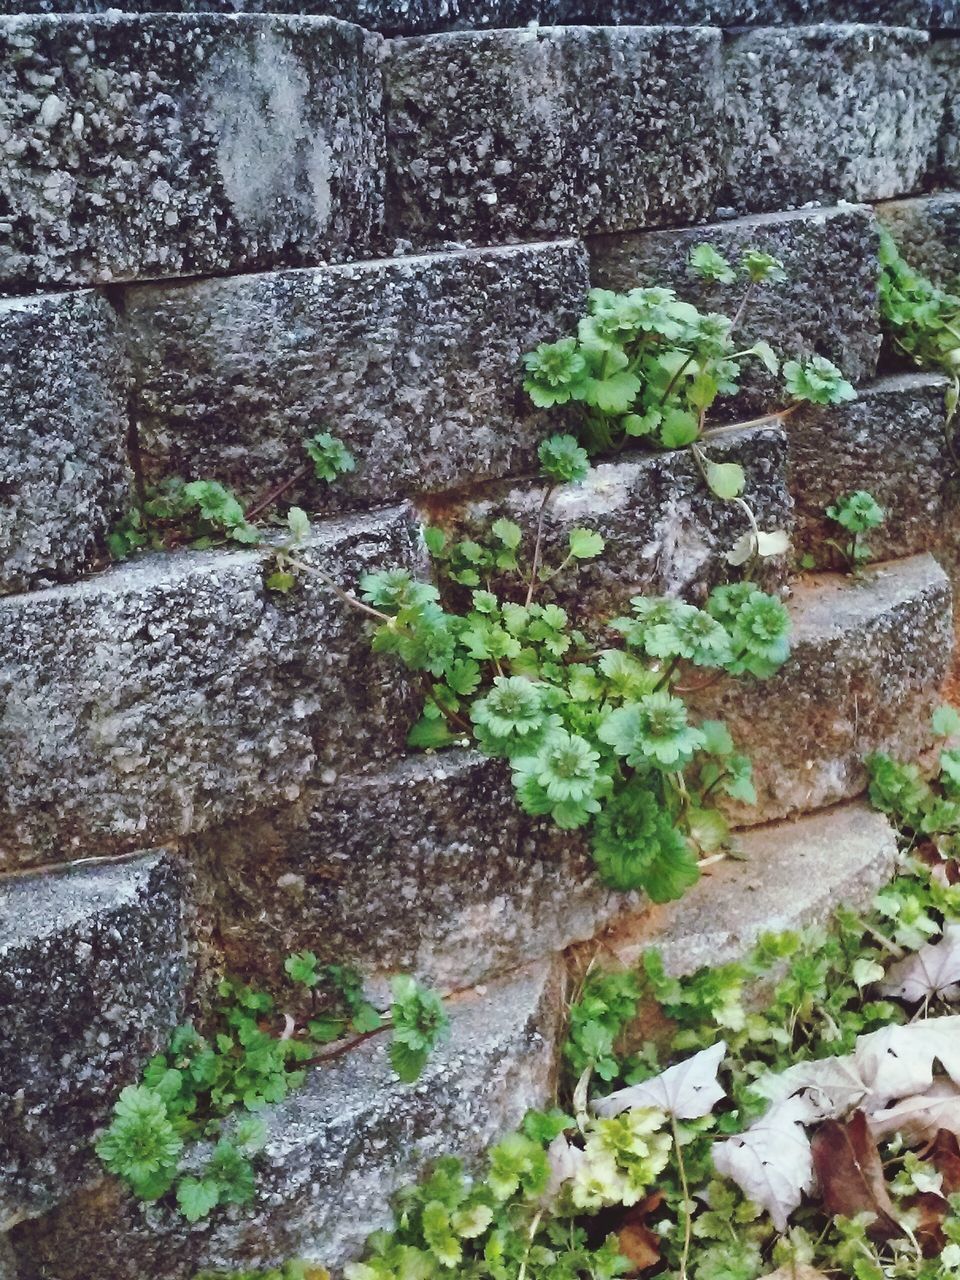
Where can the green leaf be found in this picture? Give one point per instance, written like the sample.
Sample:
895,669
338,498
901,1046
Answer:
946,721
709,264
766,354
406,1061
298,522
366,1019
679,429
301,967
507,532
726,479
585,544
430,734
197,1197
280,581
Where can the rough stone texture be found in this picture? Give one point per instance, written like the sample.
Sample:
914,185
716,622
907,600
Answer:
892,441
946,61
666,534
336,1151
419,16
869,658
63,427
426,867
91,981
828,305
511,134
168,145
175,692
793,875
415,362
828,112
927,231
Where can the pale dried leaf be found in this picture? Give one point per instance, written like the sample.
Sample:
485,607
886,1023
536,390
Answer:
919,1118
832,1086
795,1271
934,970
771,1163
897,1062
564,1159
685,1091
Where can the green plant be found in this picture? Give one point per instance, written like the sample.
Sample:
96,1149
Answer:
204,513
645,365
921,321
857,514
925,811
208,1089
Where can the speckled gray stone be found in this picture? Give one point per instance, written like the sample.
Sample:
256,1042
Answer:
891,441
336,1151
869,658
927,231
91,981
415,362
421,16
419,867
828,112
827,306
665,533
63,428
512,134
164,145
175,692
793,874
946,61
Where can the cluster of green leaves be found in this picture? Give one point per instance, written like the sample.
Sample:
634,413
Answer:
594,735
921,321
205,513
645,365
925,810
856,514
208,1089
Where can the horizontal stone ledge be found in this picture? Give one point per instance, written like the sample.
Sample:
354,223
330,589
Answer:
184,144
415,362
869,658
891,441
666,534
336,1150
91,982
927,232
175,692
63,434
829,112
827,305
426,866
792,874
401,17
553,130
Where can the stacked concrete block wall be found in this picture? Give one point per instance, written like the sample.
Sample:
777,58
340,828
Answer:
225,226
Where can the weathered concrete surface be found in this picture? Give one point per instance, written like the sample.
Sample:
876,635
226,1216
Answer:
91,982
828,112
793,875
426,867
869,657
63,428
927,231
665,532
415,362
175,692
513,134
336,1151
168,145
827,306
892,441
946,61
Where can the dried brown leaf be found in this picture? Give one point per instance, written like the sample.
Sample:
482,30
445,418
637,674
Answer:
850,1174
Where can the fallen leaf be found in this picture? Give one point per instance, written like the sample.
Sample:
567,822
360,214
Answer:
771,1162
945,1156
850,1173
920,1118
563,1160
897,1062
934,970
833,1086
795,1271
635,1240
685,1091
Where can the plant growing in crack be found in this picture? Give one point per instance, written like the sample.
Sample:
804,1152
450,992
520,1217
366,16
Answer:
855,514
192,1125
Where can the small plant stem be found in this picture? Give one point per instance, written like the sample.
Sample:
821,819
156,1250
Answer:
887,943
530,1235
775,416
685,1189
337,589
673,381
742,309
274,494
538,544
668,672
345,1046
705,684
